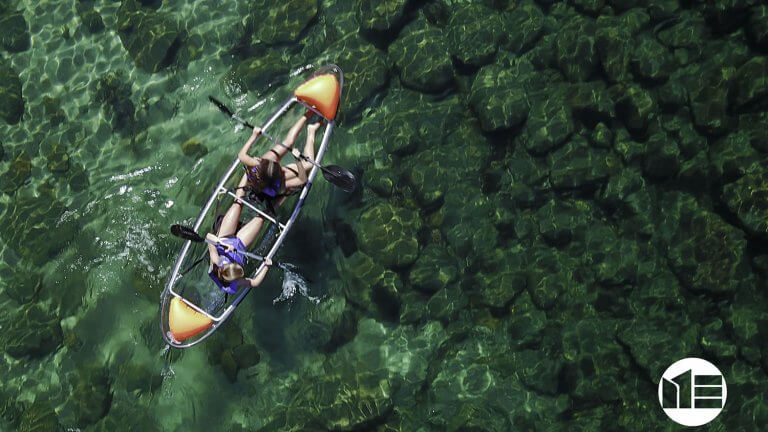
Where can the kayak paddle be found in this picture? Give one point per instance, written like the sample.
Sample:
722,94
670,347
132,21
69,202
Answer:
188,233
336,175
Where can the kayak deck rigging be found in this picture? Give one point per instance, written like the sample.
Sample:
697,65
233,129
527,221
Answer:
184,320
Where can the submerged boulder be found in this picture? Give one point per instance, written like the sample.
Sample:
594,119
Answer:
260,72
523,26
31,331
365,71
473,33
749,89
748,199
706,253
422,58
280,22
577,54
151,38
11,101
434,270
550,123
757,28
497,98
388,234
381,16
14,32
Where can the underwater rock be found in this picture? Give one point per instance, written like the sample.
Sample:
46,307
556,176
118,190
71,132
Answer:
727,16
381,16
497,99
370,286
21,281
91,395
635,106
434,270
497,289
113,92
193,148
273,23
14,32
11,101
526,324
652,61
473,34
325,325
422,58
31,331
749,89
91,20
391,369
753,126
139,378
661,158
19,170
126,414
594,362
615,48
550,123
576,49
473,389
757,28
601,137
446,304
708,100
747,198
716,342
589,7
538,371
671,95
576,165
388,234
258,73
39,417
590,102
365,71
523,26
151,38
706,253
612,260
651,343
561,221
732,155
746,316
658,294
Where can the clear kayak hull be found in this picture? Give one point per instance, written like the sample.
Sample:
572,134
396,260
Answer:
191,307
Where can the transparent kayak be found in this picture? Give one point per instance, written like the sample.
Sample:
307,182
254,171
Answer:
192,306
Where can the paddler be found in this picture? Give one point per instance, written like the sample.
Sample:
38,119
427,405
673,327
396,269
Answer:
270,182
227,267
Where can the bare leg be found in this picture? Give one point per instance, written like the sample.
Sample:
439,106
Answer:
278,151
229,223
248,233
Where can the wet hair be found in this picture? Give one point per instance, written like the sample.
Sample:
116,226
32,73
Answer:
231,272
268,172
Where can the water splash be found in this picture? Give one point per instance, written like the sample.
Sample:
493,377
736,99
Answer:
293,283
167,372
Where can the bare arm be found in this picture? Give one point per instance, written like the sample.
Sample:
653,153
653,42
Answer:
212,253
259,278
243,154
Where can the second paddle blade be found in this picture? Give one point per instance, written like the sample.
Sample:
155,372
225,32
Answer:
340,177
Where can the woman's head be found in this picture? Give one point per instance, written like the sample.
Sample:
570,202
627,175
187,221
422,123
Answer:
231,272
269,176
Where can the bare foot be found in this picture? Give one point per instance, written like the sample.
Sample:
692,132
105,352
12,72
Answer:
313,127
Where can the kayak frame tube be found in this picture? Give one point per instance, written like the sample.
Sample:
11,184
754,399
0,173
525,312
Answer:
169,293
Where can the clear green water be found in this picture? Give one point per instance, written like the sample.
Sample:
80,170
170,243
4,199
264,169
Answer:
557,200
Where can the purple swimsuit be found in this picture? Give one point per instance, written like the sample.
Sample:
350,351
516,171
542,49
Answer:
225,258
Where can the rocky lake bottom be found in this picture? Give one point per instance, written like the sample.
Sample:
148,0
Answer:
556,201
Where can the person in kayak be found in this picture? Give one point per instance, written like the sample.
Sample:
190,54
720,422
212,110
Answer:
269,181
227,267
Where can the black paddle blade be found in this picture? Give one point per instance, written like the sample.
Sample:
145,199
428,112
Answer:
220,105
340,177
185,233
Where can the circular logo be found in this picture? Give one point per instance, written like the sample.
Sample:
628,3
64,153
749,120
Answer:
692,392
